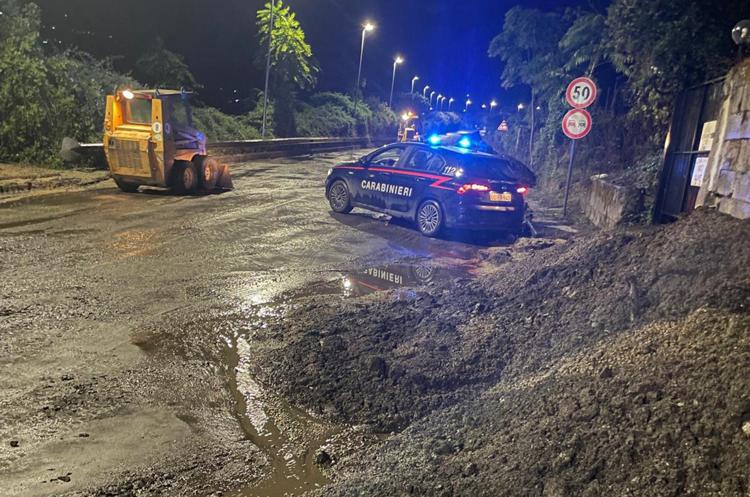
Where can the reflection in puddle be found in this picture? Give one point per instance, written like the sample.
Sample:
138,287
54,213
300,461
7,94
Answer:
401,277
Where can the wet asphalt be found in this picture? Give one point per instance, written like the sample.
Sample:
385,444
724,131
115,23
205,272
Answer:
87,275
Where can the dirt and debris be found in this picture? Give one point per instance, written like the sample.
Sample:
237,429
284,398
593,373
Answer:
608,365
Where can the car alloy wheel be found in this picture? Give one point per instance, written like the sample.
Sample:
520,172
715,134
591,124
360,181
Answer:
338,196
429,218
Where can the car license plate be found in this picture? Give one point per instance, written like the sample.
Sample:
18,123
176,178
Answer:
501,197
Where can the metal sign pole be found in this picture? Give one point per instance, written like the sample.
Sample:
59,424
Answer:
570,176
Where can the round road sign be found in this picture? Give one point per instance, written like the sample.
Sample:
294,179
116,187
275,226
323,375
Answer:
576,124
581,93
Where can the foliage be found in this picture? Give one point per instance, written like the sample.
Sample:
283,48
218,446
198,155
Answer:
291,55
161,68
333,114
663,46
218,126
528,48
44,98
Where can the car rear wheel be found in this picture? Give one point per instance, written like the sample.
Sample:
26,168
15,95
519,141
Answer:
126,187
430,218
339,198
185,178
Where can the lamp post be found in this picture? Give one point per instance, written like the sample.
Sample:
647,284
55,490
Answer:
468,103
424,92
432,94
366,28
450,102
398,60
437,100
413,81
268,69
493,104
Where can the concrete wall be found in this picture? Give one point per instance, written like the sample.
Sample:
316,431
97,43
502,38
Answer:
610,204
726,183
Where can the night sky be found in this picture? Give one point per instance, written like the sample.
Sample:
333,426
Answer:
444,42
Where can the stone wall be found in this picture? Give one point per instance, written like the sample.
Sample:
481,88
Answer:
610,204
726,184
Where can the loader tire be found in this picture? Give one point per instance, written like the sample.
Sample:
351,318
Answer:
208,168
126,187
185,178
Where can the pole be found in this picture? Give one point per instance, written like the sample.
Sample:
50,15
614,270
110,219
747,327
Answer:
570,176
531,137
268,70
393,84
359,71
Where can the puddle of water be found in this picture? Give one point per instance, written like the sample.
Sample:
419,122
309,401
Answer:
293,467
290,437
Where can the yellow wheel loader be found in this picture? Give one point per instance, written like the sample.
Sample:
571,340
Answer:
149,140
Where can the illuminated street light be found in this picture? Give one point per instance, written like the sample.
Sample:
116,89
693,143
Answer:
424,92
366,28
493,104
450,102
432,95
438,99
413,80
468,103
521,107
398,60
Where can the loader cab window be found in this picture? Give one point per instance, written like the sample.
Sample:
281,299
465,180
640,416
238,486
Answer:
137,111
178,113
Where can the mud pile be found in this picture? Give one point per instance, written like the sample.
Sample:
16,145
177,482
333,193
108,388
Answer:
615,365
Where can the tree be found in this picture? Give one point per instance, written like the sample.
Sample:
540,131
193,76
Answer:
528,46
162,68
291,55
664,46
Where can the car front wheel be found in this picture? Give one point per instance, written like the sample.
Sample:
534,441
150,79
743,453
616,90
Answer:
430,218
339,198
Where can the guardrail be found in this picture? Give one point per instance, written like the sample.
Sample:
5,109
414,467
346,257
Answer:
243,150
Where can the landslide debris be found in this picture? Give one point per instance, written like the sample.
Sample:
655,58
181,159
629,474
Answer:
615,365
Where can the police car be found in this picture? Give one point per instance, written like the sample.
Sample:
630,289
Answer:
436,186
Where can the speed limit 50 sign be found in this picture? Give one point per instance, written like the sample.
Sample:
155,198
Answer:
581,93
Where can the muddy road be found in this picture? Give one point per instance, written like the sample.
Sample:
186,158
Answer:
131,328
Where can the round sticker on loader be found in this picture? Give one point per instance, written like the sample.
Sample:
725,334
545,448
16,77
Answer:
576,124
156,127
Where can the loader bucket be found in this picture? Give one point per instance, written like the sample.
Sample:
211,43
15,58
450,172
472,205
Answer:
224,181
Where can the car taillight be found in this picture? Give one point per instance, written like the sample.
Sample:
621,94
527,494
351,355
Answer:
523,190
476,187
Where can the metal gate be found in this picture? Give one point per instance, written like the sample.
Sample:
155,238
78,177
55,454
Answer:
693,123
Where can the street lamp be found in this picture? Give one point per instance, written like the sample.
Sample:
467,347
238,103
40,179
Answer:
413,80
268,69
366,28
468,103
432,95
521,107
424,92
493,104
438,99
450,102
398,60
